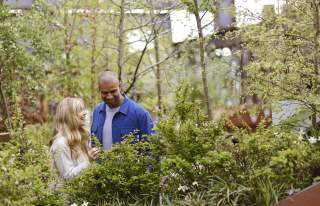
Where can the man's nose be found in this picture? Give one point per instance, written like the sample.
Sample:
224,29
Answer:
108,96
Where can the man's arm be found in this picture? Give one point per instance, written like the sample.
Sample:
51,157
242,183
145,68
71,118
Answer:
94,127
146,124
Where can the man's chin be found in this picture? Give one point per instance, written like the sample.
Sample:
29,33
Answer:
111,105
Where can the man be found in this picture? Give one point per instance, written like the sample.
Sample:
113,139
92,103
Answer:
117,115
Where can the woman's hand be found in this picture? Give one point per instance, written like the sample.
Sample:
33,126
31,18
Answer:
93,152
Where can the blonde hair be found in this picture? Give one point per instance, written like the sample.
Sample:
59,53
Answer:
68,124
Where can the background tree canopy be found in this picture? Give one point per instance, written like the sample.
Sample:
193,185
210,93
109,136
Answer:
193,87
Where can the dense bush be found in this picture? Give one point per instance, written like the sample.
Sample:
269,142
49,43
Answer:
127,172
26,177
191,162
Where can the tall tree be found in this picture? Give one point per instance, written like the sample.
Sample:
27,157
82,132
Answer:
194,7
286,56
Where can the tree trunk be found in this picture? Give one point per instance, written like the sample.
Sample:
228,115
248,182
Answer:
121,41
158,72
202,61
44,108
67,51
93,62
5,106
157,57
316,25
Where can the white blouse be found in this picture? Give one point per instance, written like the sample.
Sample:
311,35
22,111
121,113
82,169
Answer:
61,159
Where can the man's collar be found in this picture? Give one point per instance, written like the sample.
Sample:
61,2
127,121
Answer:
125,105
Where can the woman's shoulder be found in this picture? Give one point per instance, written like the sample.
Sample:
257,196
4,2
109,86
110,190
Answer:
59,142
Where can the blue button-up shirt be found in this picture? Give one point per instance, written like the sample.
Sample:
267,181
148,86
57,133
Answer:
131,118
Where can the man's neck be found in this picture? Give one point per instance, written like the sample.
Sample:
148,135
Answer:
121,102
122,99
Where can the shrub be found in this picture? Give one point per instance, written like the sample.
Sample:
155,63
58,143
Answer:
25,172
191,162
126,172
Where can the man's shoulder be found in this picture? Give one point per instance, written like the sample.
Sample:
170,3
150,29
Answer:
136,108
99,106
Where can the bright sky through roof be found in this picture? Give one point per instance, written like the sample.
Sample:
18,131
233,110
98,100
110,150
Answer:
184,26
254,9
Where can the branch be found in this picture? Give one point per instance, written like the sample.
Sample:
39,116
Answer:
114,3
149,68
203,15
293,96
137,68
298,37
73,22
204,26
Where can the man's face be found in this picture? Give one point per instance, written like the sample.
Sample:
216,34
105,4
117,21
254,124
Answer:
110,94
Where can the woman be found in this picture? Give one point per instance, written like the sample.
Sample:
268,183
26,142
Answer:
70,145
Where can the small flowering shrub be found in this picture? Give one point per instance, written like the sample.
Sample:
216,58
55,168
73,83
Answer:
272,162
128,172
25,170
191,147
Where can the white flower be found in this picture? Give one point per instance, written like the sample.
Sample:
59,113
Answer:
200,166
312,140
74,204
174,175
4,168
12,159
177,126
290,191
302,132
194,166
85,203
195,183
197,166
183,188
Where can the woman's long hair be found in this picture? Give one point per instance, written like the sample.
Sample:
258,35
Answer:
68,124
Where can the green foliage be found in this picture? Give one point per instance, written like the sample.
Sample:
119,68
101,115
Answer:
291,73
188,162
26,177
200,164
188,140
127,171
21,53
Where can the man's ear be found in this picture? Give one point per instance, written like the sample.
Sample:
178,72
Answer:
120,87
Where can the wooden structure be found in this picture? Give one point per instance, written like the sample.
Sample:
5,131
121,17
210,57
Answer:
4,137
307,197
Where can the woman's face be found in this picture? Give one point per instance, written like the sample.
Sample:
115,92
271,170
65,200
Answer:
82,116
